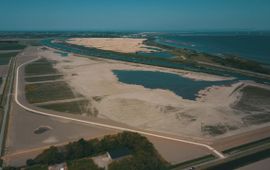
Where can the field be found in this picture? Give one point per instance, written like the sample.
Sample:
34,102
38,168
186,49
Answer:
40,67
75,107
37,93
43,78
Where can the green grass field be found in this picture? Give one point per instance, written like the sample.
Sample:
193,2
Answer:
43,78
36,93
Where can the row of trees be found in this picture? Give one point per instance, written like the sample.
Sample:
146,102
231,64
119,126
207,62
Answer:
144,156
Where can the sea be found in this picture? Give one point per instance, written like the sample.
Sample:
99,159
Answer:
249,45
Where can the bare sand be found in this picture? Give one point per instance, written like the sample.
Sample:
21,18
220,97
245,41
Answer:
151,109
124,45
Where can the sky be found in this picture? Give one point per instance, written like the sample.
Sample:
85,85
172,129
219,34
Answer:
134,15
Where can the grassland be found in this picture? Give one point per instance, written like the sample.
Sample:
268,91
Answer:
43,78
37,93
42,66
75,107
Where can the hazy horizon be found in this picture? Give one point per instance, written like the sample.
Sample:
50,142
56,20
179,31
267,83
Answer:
131,15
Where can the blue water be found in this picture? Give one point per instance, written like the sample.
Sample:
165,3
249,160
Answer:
181,86
254,47
158,61
63,54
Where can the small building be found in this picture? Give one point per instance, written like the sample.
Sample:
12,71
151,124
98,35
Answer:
118,153
62,166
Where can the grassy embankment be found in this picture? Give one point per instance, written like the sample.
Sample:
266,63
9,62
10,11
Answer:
241,155
6,57
193,162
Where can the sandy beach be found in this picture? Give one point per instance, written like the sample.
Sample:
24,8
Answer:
123,45
152,109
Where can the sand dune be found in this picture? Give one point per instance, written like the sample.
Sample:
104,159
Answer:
124,45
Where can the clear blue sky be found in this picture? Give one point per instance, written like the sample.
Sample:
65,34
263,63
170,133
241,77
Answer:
147,15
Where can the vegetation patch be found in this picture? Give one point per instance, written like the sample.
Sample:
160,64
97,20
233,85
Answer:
39,67
256,119
41,130
43,78
44,92
181,116
83,164
218,129
75,107
5,57
11,45
37,167
192,56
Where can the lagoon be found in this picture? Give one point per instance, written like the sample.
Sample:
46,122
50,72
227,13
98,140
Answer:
181,86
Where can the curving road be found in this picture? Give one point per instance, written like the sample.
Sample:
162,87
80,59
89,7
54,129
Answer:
220,155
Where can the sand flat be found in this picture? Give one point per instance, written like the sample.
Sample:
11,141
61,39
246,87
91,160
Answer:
123,45
151,109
